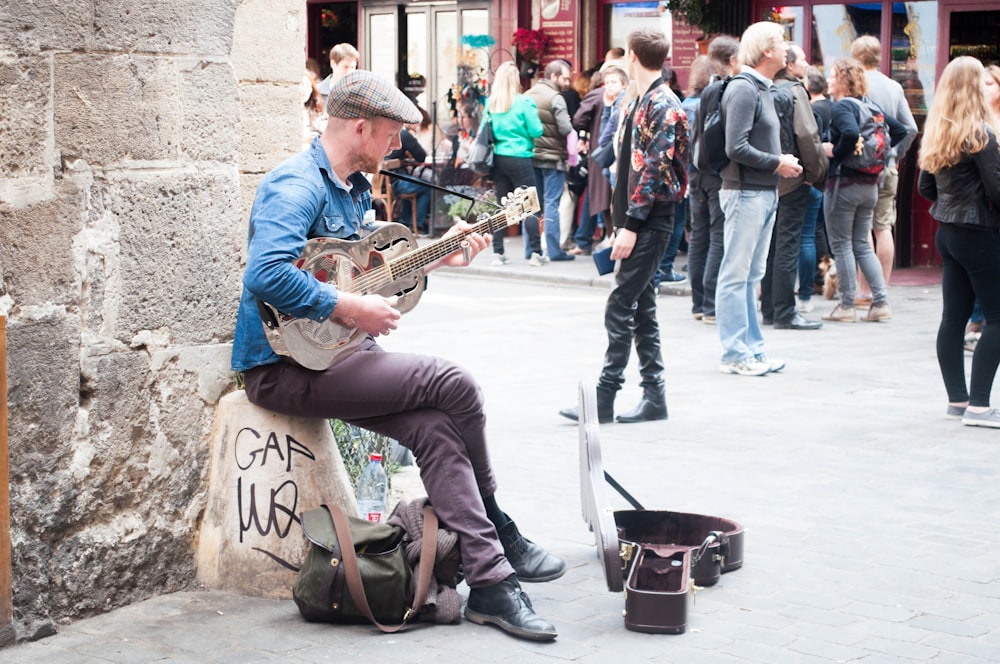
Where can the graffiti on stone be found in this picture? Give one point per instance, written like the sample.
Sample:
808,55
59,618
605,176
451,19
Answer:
267,494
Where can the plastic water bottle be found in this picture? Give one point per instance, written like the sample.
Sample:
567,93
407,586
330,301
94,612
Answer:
371,492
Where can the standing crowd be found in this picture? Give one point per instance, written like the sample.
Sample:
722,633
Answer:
775,166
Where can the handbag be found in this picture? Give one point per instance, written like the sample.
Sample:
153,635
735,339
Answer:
577,177
481,152
356,571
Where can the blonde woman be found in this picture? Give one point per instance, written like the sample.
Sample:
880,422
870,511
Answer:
850,196
992,81
960,174
515,128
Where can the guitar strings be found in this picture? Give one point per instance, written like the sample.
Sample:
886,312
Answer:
409,262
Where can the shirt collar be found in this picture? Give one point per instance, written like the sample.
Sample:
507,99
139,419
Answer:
356,184
756,74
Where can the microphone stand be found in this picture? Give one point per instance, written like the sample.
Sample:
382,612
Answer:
434,167
413,180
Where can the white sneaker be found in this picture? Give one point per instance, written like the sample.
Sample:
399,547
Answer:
749,367
805,306
537,260
499,259
776,365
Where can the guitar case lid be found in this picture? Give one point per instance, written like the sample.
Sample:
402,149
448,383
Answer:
716,541
597,511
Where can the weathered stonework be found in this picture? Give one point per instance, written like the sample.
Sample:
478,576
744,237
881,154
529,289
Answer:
26,148
132,136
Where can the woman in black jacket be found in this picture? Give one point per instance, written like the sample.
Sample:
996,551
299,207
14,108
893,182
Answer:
960,175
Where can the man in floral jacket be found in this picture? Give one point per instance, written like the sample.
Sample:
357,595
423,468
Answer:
651,178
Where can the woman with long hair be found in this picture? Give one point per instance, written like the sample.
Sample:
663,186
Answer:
515,128
469,116
960,174
992,80
850,196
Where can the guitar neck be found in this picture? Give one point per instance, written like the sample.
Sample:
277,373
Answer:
424,256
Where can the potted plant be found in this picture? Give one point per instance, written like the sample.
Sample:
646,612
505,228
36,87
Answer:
530,45
706,15
459,208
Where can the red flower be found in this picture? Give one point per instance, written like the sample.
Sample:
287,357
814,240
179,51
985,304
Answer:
530,44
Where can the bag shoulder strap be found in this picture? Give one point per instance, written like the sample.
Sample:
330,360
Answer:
861,107
428,552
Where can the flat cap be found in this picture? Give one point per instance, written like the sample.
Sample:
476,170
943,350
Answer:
362,94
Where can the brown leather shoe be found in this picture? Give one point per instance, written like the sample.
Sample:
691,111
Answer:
878,312
842,314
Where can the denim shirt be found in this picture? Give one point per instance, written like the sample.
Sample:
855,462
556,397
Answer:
301,198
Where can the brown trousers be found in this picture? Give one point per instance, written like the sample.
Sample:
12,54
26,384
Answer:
430,406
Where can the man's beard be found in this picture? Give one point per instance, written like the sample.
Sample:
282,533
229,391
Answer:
365,163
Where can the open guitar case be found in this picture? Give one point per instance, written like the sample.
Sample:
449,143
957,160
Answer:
653,555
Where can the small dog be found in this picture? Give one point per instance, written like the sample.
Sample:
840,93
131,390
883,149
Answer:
831,285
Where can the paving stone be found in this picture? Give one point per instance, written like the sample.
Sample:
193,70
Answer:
864,506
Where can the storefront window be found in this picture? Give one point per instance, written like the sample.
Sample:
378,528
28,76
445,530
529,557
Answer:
474,65
913,59
792,19
834,27
382,59
621,18
446,59
416,50
975,33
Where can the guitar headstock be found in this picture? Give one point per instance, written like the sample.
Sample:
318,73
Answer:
520,203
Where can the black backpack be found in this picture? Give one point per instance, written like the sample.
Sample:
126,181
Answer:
710,142
784,106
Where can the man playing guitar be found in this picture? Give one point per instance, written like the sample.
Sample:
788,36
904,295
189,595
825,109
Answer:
429,405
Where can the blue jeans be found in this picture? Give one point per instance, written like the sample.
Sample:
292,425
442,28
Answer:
807,254
705,243
749,220
423,193
584,236
550,183
849,210
666,266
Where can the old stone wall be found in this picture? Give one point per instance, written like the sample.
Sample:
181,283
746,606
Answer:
132,136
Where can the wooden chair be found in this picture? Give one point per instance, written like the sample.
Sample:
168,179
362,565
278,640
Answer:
382,195
413,208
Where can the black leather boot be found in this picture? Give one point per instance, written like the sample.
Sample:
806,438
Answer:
507,606
532,563
653,405
605,407
646,411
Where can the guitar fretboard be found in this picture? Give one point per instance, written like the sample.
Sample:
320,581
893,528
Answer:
418,258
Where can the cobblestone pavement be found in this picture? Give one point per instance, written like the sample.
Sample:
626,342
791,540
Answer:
870,517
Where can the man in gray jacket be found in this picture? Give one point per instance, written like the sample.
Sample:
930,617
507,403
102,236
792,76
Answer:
799,136
749,197
550,152
889,95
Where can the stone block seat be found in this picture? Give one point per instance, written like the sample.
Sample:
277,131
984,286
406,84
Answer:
266,469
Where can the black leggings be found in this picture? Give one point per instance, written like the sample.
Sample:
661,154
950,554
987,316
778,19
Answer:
509,173
971,271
